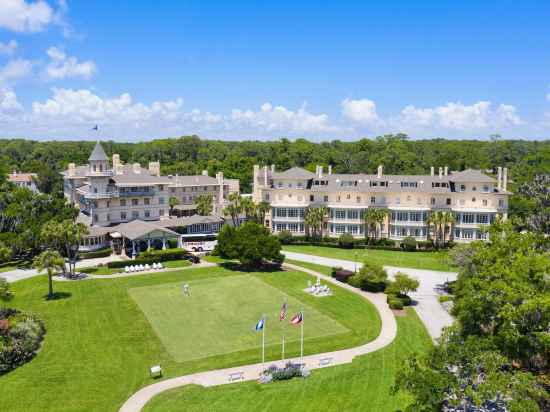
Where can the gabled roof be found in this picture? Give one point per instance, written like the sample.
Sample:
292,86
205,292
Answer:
137,229
188,221
471,175
294,173
98,153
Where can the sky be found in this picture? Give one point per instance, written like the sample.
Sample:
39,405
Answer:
264,70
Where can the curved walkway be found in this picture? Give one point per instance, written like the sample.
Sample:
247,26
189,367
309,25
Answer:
387,334
426,298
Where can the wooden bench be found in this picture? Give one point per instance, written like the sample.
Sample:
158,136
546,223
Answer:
236,376
325,362
155,371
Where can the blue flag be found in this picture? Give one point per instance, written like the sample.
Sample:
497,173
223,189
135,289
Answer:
95,127
260,324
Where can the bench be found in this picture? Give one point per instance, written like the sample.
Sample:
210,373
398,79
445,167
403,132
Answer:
155,371
325,362
236,376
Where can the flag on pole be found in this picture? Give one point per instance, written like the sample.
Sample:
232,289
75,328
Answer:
282,313
96,127
260,324
297,319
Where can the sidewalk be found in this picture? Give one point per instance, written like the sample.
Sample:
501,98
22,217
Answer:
387,334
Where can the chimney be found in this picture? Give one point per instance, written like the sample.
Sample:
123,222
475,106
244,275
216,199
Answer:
205,173
116,160
154,168
272,169
440,172
446,172
320,171
136,167
329,169
379,171
432,171
505,179
119,169
499,178
72,169
265,176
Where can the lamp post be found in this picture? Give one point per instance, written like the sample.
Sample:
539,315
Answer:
355,261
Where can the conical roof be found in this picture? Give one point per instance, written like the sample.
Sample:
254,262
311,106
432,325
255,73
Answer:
98,153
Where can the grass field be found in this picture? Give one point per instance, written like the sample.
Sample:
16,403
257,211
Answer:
220,313
361,386
418,260
99,344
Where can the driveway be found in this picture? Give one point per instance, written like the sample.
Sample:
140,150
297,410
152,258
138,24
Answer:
20,274
428,308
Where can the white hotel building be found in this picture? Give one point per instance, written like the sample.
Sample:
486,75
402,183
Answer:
472,196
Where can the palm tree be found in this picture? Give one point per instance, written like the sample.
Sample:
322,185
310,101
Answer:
447,222
172,203
433,222
314,219
234,208
50,261
379,218
261,210
374,217
248,207
204,205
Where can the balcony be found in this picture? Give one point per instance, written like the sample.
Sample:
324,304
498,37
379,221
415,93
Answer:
102,195
98,173
133,193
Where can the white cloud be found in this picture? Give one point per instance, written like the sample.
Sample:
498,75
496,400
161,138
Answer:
362,111
8,48
62,66
279,119
458,117
8,102
22,16
15,69
548,97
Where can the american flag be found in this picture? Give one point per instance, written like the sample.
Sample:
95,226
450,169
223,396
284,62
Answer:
297,319
282,313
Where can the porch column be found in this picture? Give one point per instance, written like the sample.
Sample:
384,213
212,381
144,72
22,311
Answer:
180,242
148,243
133,249
163,242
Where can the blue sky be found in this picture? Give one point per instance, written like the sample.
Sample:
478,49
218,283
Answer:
238,70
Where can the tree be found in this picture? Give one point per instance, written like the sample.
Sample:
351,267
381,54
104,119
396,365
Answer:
314,221
371,277
50,261
5,253
346,240
248,208
234,208
261,210
402,284
5,292
172,203
204,205
251,243
373,218
538,194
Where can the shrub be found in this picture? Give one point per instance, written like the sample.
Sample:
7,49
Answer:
285,237
402,284
395,303
152,256
105,252
426,244
409,244
289,371
346,240
445,298
20,337
342,275
371,277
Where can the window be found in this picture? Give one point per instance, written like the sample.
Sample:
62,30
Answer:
500,203
462,188
448,201
408,198
289,184
353,214
146,201
468,218
123,215
205,188
338,199
108,217
161,188
397,200
161,200
484,202
135,214
135,202
299,185
172,190
267,196
473,199
348,196
325,198
432,201
486,188
358,199
147,213
474,189
161,212
483,219
373,199
311,198
280,184
461,202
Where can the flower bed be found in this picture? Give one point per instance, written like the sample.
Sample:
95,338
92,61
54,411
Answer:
20,337
290,370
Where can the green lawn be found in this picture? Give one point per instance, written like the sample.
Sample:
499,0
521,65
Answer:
362,386
99,344
418,260
220,313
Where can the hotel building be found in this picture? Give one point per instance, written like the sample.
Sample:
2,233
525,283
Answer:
472,196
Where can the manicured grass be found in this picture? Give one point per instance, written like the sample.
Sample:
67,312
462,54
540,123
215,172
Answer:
7,268
362,386
418,260
99,344
220,313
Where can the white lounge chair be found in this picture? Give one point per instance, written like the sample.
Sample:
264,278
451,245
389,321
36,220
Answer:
126,269
154,266
141,267
132,268
147,267
160,266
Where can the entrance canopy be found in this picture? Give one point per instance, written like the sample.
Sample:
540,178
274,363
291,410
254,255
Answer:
140,230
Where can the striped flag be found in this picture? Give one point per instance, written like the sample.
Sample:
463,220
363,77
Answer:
260,324
297,319
282,313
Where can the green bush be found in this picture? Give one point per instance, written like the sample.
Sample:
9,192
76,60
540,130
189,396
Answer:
346,240
426,244
371,277
395,303
445,298
409,244
285,237
150,257
105,252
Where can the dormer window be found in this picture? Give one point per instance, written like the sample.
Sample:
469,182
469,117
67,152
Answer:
462,188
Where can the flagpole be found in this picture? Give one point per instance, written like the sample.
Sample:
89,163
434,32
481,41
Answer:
302,339
284,329
263,344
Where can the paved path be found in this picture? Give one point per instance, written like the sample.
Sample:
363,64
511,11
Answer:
433,315
20,274
251,372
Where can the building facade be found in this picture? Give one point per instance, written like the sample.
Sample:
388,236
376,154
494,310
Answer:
26,180
114,193
473,197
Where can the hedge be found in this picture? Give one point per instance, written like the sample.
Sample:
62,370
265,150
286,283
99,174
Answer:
150,257
105,252
342,275
395,302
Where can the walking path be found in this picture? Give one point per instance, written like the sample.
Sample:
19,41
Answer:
433,315
387,334
20,274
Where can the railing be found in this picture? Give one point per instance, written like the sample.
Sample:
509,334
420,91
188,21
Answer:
136,193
